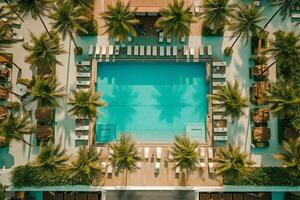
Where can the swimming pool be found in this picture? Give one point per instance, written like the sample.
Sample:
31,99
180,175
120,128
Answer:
153,101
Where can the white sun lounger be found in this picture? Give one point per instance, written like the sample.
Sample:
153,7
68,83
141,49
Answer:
103,167
129,50
148,50
161,37
161,51
209,50
110,50
103,52
18,37
157,168
215,91
129,38
110,152
142,50
146,152
117,50
185,50
217,102
192,51
81,137
154,50
218,76
201,162
97,51
201,51
220,130
91,50
211,168
84,83
174,50
158,153
219,64
220,138
177,169
83,63
182,39
219,84
83,74
202,152
109,169
197,9
295,15
218,109
82,128
210,153
168,51
136,50
219,117
169,40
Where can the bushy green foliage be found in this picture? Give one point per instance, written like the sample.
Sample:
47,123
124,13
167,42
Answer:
270,176
91,28
2,191
33,176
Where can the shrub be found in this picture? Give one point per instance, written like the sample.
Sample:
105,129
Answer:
228,51
271,176
32,176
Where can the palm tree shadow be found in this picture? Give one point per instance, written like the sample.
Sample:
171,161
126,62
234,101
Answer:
170,102
121,106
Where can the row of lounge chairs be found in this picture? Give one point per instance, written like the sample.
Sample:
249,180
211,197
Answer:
219,119
148,50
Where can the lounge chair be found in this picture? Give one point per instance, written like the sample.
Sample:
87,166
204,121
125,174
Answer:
185,50
117,50
103,167
216,91
177,169
83,83
211,168
146,153
218,76
83,74
209,50
220,137
154,50
218,109
157,168
295,15
129,50
192,51
219,64
129,38
182,39
82,128
158,153
110,50
219,117
91,50
18,38
197,9
109,169
202,152
148,50
142,50
81,137
103,52
219,84
169,40
201,51
174,50
168,51
220,129
161,37
110,153
217,102
161,51
136,50
97,51
210,153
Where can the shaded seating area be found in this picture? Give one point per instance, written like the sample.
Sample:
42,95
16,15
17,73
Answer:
261,115
262,134
258,90
43,132
72,196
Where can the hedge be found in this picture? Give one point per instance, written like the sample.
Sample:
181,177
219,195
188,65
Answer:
270,176
33,176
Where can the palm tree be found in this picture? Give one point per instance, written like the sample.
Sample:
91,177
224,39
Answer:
87,165
232,164
120,21
290,155
231,99
184,153
85,103
175,19
125,154
285,51
282,98
216,14
43,51
15,127
36,8
66,20
245,22
46,91
51,157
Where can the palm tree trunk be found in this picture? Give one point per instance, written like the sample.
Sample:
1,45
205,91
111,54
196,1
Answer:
126,174
10,60
274,15
44,25
14,11
73,39
238,37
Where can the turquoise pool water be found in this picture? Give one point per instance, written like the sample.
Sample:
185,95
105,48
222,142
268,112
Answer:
153,101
